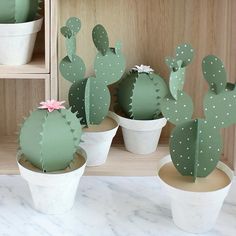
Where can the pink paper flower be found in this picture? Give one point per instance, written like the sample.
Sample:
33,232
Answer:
51,105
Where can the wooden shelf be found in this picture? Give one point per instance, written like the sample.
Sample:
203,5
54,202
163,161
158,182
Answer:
119,163
36,66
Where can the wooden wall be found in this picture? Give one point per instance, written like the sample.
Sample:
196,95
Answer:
150,30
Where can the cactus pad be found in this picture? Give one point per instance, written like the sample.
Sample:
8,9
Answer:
214,73
74,24
195,148
184,53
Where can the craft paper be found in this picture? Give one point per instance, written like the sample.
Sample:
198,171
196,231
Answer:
139,94
90,97
49,139
196,145
18,11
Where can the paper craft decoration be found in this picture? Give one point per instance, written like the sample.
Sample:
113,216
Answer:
195,144
18,11
140,92
49,139
90,97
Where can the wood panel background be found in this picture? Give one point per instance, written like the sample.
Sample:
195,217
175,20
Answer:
150,30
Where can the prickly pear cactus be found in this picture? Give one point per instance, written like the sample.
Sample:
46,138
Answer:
90,97
49,138
131,91
196,145
19,11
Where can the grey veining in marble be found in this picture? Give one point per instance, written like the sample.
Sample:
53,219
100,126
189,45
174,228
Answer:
105,206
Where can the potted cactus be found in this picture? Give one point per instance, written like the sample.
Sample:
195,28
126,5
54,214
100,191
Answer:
19,25
196,180
89,97
138,109
49,158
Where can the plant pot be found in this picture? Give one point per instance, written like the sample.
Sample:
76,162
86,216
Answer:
97,141
53,193
141,136
17,42
196,212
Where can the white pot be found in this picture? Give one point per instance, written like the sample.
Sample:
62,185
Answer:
196,212
17,42
141,136
97,145
52,193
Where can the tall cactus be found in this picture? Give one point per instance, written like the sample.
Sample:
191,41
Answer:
90,97
130,93
18,11
50,137
195,144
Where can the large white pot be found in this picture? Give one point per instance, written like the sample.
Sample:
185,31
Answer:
196,212
141,136
17,42
52,193
97,145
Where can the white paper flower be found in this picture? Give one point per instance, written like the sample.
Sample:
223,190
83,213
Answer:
143,69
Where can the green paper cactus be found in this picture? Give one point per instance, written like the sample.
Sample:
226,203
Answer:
50,137
140,92
195,144
18,11
90,97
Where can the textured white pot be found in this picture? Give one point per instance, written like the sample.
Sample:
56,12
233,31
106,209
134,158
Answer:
196,212
141,136
17,42
97,145
52,193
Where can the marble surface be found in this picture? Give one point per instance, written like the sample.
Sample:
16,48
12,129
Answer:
105,206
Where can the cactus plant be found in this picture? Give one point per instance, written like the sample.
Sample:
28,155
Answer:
195,144
90,97
50,137
130,93
18,11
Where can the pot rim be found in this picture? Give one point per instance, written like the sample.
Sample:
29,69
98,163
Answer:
81,151
222,166
38,19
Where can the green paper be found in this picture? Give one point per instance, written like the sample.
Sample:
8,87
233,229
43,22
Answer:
74,24
109,68
184,53
195,148
72,70
100,39
177,111
214,72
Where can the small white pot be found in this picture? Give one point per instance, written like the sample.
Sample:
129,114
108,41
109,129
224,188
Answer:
97,145
196,212
52,193
141,136
17,42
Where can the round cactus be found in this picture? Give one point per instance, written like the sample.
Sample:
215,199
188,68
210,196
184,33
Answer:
49,139
90,98
19,11
131,99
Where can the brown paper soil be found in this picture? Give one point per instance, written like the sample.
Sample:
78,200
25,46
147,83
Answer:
216,180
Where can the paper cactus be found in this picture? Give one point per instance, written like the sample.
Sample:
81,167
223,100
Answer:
50,137
90,97
18,11
140,92
196,144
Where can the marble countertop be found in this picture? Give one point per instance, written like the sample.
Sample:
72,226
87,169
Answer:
105,206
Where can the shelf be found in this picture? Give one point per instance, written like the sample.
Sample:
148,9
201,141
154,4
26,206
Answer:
119,163
36,66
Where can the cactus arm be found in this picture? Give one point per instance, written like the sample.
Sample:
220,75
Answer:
214,73
30,137
7,11
177,111
54,158
184,53
171,63
74,24
72,70
100,39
